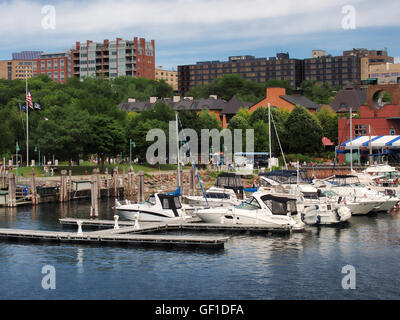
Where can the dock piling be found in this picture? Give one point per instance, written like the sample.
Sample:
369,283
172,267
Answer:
63,187
94,209
12,198
141,187
33,188
191,182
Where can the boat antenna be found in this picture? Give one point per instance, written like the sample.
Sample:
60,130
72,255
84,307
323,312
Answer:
192,160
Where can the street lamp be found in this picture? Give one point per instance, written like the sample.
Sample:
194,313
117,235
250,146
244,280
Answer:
131,143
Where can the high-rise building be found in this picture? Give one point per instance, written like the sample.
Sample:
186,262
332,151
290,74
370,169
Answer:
170,77
281,67
339,70
110,59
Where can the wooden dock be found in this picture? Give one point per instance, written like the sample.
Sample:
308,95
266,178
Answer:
146,227
112,236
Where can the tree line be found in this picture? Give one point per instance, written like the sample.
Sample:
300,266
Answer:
81,118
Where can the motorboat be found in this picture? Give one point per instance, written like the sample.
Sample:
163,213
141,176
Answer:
157,207
216,197
315,209
260,208
350,188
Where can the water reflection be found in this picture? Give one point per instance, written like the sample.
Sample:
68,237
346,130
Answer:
252,266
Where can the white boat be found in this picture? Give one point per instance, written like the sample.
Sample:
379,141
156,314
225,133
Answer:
349,187
157,207
260,208
313,207
216,197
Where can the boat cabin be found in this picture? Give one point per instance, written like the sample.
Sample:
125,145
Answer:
230,181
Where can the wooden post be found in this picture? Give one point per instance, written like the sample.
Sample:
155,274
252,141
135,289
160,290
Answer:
115,182
70,185
12,198
107,183
94,208
96,172
141,187
63,187
33,188
191,182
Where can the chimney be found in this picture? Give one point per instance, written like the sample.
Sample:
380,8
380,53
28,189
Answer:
176,98
131,100
213,96
153,99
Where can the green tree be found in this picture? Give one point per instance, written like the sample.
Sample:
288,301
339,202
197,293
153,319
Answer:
304,133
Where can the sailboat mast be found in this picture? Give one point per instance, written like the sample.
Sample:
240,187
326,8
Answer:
27,119
177,147
370,146
269,136
351,140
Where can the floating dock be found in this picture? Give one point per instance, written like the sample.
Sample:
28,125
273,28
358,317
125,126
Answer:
112,237
146,227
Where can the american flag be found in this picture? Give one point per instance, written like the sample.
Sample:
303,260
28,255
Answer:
29,99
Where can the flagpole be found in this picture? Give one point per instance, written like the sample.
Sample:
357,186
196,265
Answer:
27,119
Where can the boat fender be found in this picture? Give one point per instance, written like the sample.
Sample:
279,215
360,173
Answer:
316,207
318,219
303,215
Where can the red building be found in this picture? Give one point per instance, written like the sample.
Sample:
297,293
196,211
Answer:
55,65
383,118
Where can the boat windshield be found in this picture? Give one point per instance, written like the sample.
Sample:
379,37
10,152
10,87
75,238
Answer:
249,204
151,200
329,193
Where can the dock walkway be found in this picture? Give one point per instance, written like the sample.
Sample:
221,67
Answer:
107,237
146,227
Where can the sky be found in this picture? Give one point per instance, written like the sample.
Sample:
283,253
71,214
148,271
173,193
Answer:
187,31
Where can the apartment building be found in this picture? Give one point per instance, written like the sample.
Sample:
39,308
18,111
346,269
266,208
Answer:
248,67
338,70
110,59
16,69
170,77
54,65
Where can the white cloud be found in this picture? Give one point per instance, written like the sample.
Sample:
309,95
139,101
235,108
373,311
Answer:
194,22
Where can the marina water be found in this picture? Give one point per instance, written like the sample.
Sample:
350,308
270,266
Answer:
304,265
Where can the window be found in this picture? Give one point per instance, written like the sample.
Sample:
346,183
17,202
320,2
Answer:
360,130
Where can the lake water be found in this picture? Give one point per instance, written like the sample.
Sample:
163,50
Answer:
304,265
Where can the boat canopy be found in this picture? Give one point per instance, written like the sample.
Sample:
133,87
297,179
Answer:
377,142
229,181
286,176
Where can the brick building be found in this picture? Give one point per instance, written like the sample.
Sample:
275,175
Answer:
382,118
54,65
278,98
16,69
169,76
110,59
281,67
